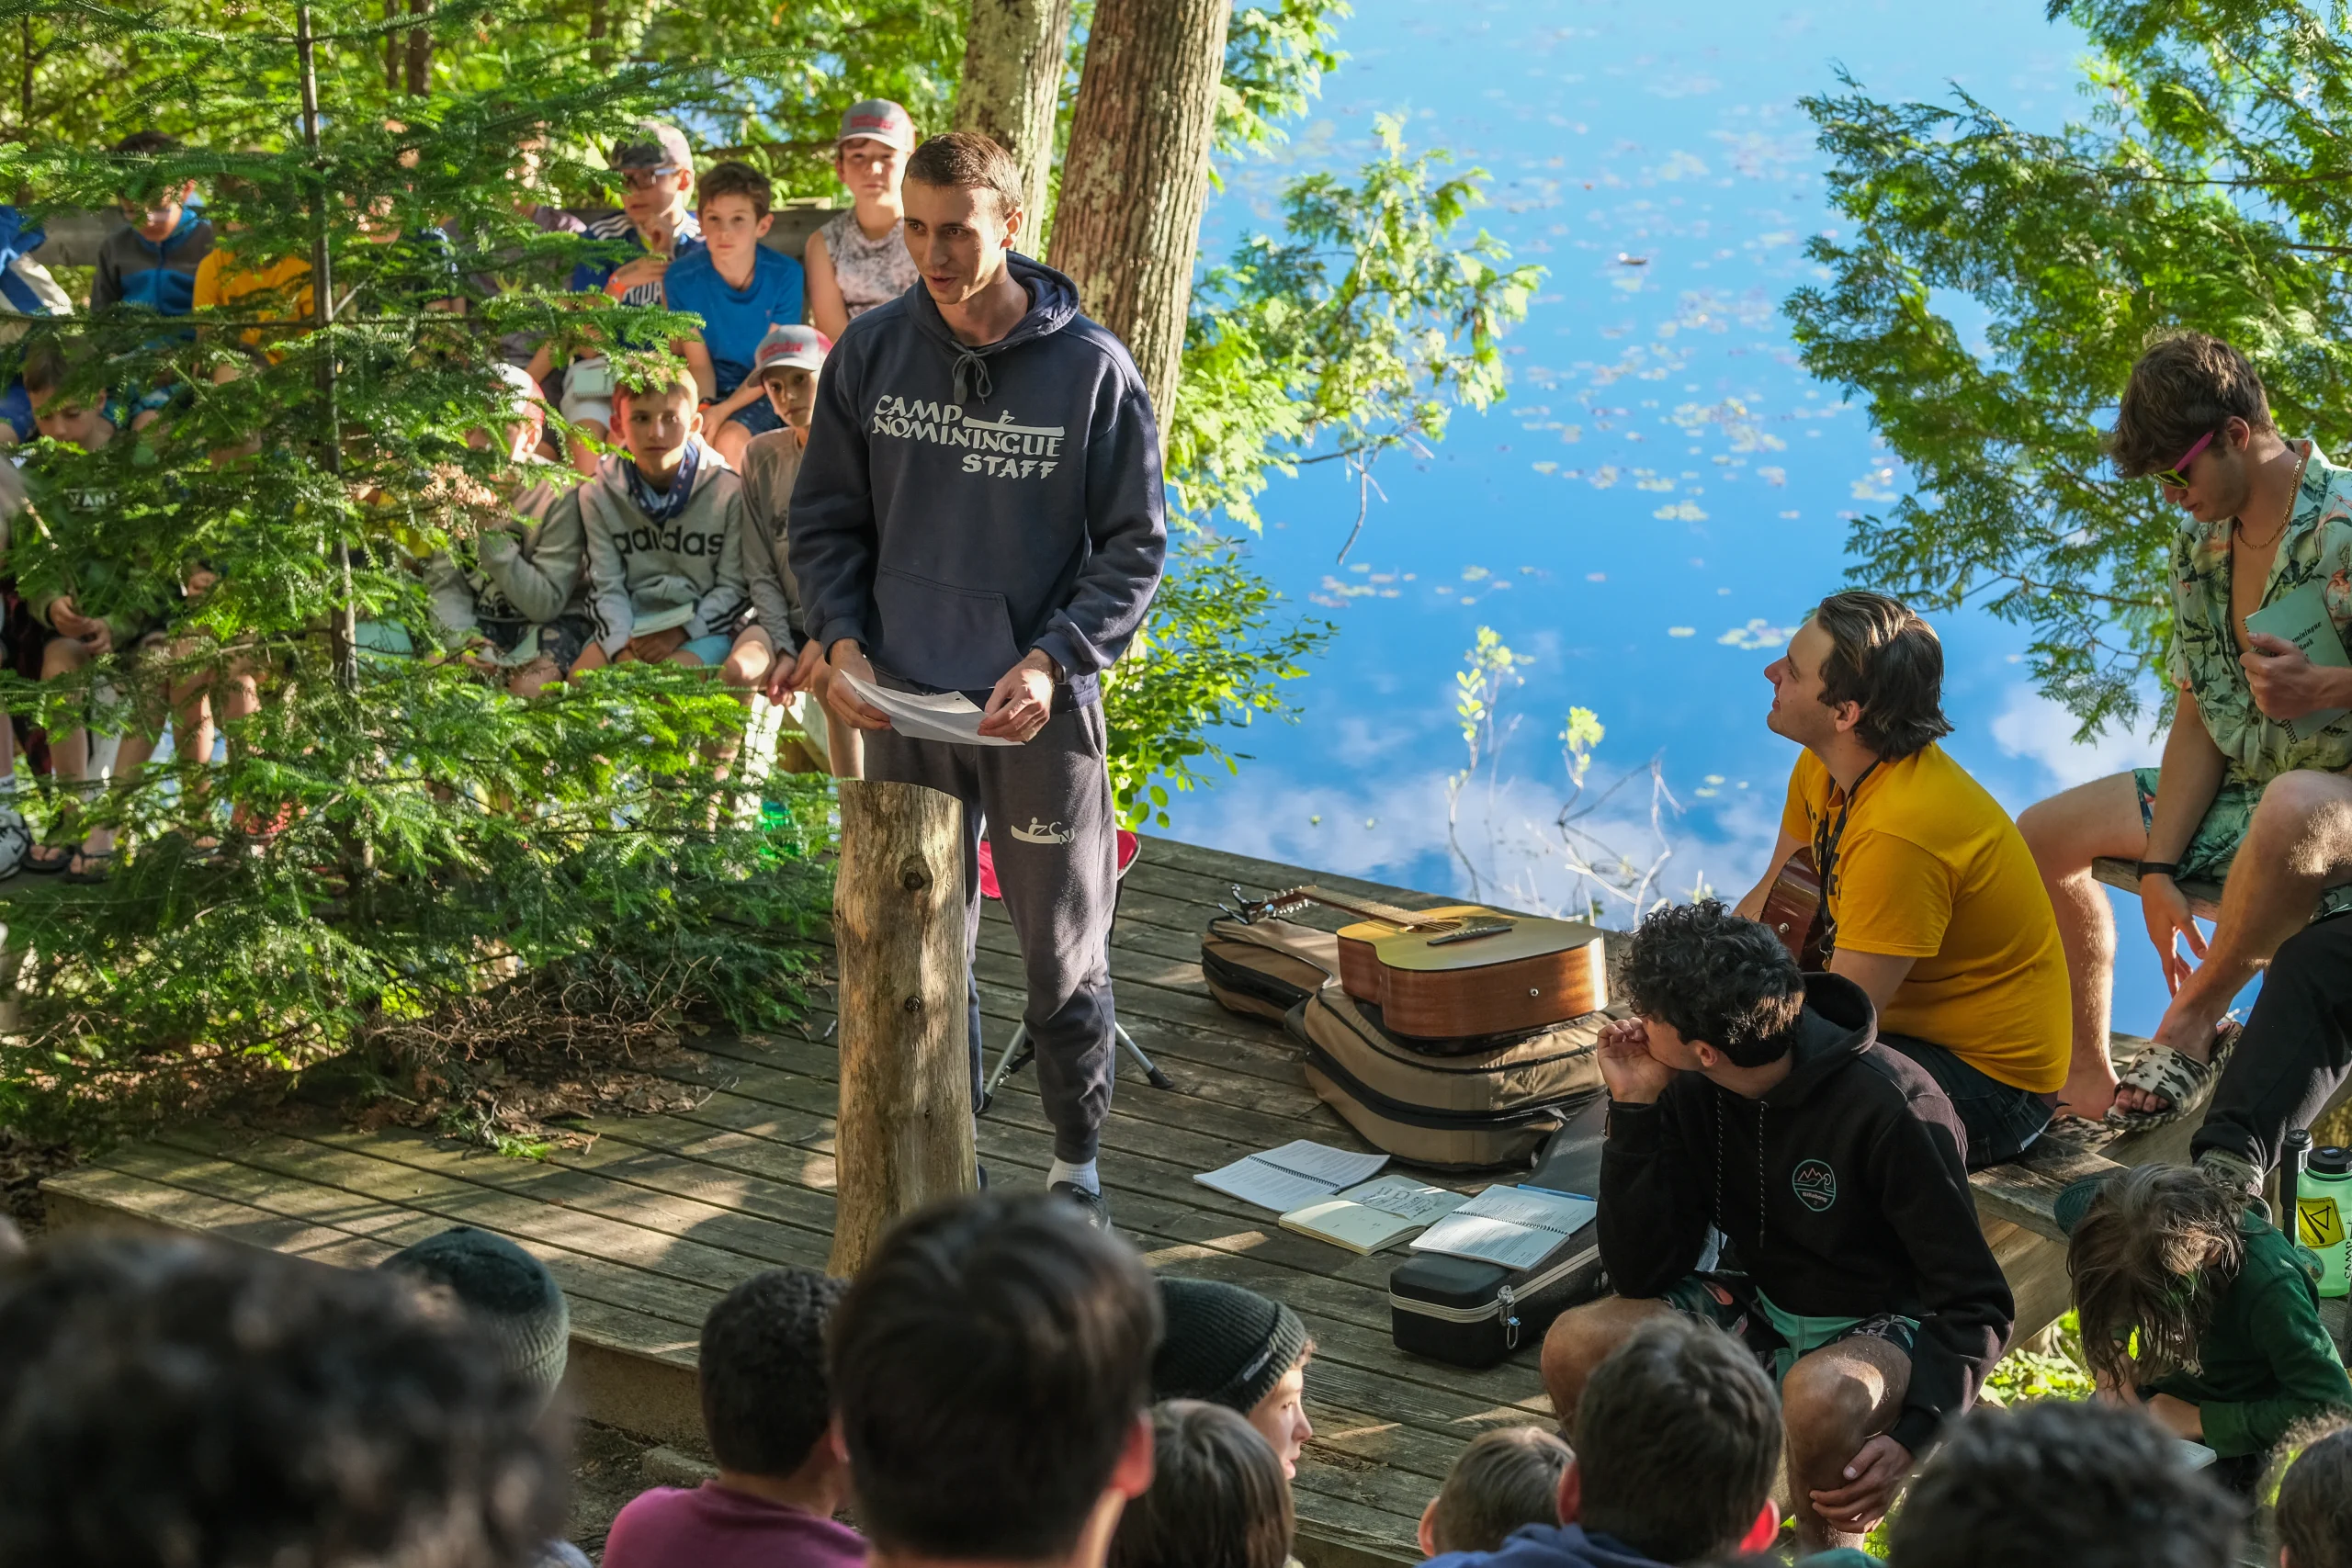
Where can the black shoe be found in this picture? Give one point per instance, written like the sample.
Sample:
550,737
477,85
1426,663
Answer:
1091,1204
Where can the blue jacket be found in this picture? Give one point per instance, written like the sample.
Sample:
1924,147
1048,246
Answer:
959,506
135,270
1549,1546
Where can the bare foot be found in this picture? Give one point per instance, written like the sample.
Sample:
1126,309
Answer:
2088,1098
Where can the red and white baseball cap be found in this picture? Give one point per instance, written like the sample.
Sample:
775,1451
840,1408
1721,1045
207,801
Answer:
879,120
790,347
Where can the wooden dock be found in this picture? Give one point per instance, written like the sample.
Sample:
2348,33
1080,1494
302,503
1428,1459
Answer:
647,1226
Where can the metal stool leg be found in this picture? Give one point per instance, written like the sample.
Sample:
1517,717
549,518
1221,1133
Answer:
1151,1072
1018,1053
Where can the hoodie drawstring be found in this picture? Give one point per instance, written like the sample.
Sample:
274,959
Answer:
973,383
1759,1170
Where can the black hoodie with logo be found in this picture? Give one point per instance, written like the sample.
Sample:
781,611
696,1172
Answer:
1842,1191
960,505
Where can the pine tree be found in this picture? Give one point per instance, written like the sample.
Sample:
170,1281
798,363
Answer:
416,858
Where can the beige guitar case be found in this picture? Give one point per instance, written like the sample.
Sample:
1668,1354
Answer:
1464,1110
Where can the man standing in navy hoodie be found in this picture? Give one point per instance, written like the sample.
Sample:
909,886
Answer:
980,510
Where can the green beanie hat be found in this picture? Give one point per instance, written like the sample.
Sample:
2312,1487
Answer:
1223,1344
505,1289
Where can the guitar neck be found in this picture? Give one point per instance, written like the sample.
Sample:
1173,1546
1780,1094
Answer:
1372,910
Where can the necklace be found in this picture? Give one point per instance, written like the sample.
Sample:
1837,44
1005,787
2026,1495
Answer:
2294,492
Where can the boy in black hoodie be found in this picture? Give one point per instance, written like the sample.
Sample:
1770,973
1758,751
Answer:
979,511
1753,1114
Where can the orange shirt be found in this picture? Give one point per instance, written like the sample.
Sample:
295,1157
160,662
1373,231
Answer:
220,282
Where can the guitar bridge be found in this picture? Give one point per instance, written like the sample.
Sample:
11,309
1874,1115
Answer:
1470,932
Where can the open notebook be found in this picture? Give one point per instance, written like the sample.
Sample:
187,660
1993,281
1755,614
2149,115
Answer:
1515,1226
1379,1213
1298,1173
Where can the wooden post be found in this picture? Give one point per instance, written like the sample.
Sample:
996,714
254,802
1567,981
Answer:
904,1135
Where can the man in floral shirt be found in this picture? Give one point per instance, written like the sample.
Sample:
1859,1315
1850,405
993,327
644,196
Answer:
2241,796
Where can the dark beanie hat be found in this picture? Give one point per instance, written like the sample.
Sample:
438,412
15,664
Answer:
505,1289
1223,1344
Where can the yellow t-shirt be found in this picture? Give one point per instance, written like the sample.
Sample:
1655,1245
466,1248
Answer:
221,281
1931,868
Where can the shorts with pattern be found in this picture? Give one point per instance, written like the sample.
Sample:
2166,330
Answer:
561,640
1777,1339
2215,843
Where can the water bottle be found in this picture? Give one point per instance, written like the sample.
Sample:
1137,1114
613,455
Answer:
2322,1203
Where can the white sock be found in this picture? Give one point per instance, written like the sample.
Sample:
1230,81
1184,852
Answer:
1084,1176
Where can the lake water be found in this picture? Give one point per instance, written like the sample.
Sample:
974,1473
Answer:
1665,491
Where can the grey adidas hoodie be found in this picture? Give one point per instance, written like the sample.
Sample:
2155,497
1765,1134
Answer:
528,571
959,506
639,572
771,462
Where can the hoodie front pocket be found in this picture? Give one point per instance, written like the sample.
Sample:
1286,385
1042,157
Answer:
956,639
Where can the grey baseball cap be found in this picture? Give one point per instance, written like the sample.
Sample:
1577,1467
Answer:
879,120
653,145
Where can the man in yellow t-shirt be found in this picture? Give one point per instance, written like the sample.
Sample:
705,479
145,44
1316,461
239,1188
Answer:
1933,903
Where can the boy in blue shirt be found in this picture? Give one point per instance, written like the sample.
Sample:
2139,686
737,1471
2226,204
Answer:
740,289
152,263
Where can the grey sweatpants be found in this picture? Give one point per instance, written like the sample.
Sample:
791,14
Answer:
1047,808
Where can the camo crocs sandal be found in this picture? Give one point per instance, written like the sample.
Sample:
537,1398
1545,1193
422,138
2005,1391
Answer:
2178,1078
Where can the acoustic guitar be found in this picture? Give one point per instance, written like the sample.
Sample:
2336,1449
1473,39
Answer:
1793,910
1462,970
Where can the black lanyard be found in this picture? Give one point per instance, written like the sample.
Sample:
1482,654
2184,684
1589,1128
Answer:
1825,860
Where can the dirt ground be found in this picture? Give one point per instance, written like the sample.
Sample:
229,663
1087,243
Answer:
608,1467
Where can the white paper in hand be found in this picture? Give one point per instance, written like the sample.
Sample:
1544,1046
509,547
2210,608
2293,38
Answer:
920,716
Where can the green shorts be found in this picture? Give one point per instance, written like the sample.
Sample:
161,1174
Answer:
1733,1303
2215,843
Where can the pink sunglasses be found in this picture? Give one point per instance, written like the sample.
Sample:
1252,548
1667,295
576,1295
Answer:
2177,477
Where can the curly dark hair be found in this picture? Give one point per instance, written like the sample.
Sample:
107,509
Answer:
186,1404
1217,1497
764,1402
986,1366
1717,977
2185,386
1884,658
2152,1255
2064,1484
1677,1439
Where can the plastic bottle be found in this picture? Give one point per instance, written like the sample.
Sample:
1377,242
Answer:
2322,1208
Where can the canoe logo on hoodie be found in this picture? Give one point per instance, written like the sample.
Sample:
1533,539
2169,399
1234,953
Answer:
1002,447
1816,1184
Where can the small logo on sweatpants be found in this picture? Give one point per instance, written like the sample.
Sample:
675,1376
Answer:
1039,833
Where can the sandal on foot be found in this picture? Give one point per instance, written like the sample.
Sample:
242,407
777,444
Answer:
94,866
2178,1076
47,859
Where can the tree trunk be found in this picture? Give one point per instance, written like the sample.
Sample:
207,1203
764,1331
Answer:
420,52
393,42
1137,172
904,1133
1012,86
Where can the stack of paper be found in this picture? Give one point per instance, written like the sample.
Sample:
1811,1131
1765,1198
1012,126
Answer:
944,715
1293,1176
1515,1226
1378,1214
